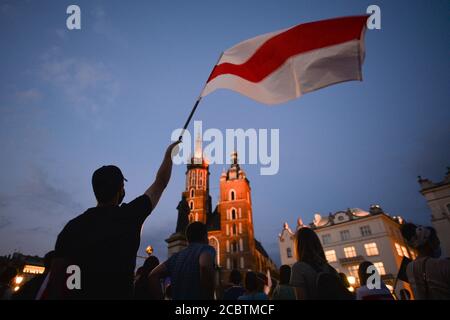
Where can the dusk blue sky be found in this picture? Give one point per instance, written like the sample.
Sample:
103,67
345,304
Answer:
113,92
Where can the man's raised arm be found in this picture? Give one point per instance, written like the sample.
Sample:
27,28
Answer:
155,191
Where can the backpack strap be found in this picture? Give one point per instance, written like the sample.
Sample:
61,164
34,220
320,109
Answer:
424,278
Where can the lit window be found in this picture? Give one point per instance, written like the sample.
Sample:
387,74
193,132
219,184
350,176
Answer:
345,235
380,268
326,238
405,251
353,272
371,249
399,249
331,255
365,231
33,269
350,252
289,252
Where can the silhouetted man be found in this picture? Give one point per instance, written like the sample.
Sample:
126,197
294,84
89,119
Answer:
104,240
191,270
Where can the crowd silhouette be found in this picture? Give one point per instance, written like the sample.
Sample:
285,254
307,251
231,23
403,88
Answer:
103,243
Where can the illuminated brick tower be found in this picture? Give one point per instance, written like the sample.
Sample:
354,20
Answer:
230,225
233,237
197,186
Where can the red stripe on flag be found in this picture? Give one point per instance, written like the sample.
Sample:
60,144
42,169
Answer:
299,39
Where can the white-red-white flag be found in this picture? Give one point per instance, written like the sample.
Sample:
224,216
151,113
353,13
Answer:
283,65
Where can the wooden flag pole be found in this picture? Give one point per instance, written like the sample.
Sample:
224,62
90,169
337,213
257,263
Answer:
189,118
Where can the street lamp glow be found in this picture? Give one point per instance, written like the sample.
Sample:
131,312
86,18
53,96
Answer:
149,250
351,280
19,280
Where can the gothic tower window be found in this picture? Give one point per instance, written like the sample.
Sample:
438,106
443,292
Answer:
289,252
233,214
234,247
235,264
234,230
192,193
232,195
191,205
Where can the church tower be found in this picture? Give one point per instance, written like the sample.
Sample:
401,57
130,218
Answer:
196,191
237,244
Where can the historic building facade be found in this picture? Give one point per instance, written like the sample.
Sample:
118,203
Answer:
230,224
438,199
352,236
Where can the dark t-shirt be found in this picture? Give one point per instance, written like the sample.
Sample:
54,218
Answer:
103,242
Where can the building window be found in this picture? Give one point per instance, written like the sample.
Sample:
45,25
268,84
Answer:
235,264
191,205
399,249
350,252
289,252
331,255
233,214
192,193
326,238
353,271
365,231
380,268
234,232
371,249
405,252
234,248
345,235
232,195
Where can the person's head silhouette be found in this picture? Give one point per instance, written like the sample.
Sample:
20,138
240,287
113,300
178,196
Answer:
108,185
235,277
308,248
285,274
196,232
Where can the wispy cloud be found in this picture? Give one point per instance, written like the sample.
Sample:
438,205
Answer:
29,95
86,85
32,214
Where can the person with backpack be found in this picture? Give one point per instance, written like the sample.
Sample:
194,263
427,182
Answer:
311,276
429,274
283,291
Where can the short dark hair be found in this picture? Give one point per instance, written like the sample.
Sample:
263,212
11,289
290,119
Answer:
235,276
362,272
107,182
408,231
196,232
285,274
